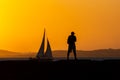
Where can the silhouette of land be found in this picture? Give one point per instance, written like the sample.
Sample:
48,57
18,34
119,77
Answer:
85,67
63,69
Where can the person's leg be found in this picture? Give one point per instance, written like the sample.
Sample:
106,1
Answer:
68,53
74,51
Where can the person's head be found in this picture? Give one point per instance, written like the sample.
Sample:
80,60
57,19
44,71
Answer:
72,33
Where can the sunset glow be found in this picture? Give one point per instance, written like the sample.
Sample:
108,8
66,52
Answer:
96,24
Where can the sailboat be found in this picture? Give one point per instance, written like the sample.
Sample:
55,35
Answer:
44,55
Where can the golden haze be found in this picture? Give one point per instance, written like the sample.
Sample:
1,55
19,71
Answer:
95,22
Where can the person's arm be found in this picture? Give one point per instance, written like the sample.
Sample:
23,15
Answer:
75,39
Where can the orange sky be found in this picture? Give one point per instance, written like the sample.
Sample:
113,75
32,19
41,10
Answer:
95,22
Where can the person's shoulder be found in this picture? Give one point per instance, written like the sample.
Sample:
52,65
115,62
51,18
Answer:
74,36
69,36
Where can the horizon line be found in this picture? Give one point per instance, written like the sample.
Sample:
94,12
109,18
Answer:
62,50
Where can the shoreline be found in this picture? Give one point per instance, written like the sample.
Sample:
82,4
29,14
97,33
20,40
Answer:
64,58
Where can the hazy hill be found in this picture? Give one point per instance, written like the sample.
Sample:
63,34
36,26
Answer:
101,53
105,53
7,53
10,54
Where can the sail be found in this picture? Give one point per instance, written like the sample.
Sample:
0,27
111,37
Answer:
41,50
48,53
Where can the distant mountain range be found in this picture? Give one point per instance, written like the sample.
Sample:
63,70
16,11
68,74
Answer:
115,53
10,54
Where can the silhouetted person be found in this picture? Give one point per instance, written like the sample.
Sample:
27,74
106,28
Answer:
71,45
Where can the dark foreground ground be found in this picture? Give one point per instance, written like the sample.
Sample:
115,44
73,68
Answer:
59,70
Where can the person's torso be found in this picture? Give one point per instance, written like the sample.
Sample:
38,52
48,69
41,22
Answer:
72,40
